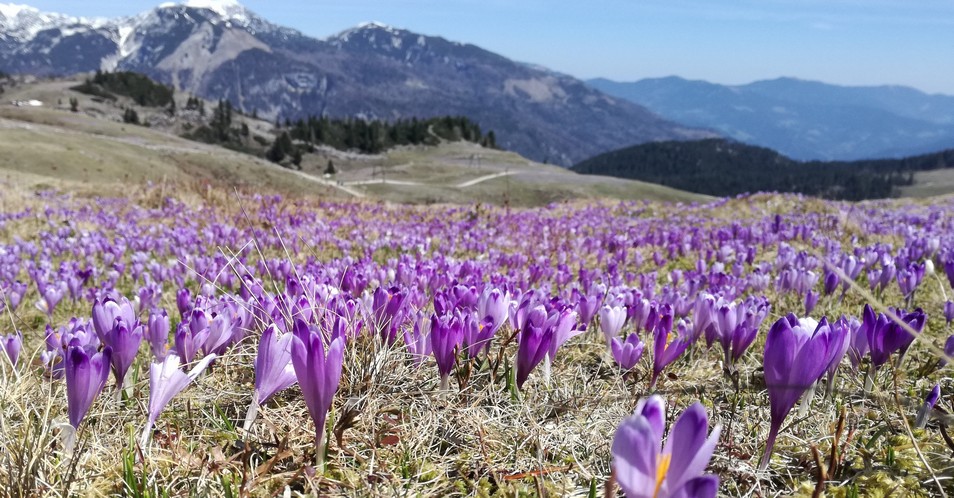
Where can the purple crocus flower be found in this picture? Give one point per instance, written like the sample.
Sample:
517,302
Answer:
198,321
387,306
52,296
125,344
611,321
949,267
644,467
811,299
148,297
795,358
724,319
888,272
639,311
273,368
665,349
11,345
949,311
702,314
520,310
106,312
831,281
752,313
11,298
188,342
318,375
446,335
844,329
586,307
925,412
220,333
184,302
74,333
948,351
736,326
627,352
874,278
564,329
157,334
857,342
910,278
476,335
86,376
493,306
534,342
417,339
165,382
886,337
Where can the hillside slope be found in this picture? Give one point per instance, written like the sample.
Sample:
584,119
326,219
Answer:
725,168
93,150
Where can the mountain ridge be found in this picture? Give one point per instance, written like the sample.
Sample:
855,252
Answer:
806,120
224,50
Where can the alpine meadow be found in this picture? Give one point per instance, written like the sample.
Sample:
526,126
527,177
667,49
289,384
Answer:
239,260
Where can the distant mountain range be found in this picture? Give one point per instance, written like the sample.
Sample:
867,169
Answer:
722,167
218,49
804,120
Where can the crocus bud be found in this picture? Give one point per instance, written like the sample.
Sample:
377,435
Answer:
11,345
925,412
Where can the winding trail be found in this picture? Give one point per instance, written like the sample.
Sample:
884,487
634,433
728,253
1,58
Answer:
475,181
468,183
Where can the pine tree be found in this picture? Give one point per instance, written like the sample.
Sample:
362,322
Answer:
275,153
131,116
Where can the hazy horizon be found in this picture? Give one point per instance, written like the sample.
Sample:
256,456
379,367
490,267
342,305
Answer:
842,42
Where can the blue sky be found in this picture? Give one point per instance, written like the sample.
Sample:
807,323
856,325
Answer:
850,42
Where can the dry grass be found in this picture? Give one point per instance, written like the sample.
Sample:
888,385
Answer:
402,436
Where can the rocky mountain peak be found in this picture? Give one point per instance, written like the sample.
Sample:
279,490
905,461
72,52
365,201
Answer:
230,10
218,49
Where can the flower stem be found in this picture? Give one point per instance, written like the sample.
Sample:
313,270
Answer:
769,445
320,451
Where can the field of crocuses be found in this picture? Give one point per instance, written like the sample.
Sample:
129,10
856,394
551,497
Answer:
231,345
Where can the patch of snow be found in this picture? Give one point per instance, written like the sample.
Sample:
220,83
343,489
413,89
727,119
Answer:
11,10
345,35
377,25
224,8
124,33
22,22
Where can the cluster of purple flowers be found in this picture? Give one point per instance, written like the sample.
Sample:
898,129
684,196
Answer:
398,279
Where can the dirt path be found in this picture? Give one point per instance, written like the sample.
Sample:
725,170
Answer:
475,181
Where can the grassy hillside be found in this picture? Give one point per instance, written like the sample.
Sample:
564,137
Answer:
93,149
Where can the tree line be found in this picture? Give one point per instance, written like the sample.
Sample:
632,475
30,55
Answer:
144,91
724,168
375,136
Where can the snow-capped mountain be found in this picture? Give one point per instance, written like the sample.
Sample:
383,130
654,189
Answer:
219,49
